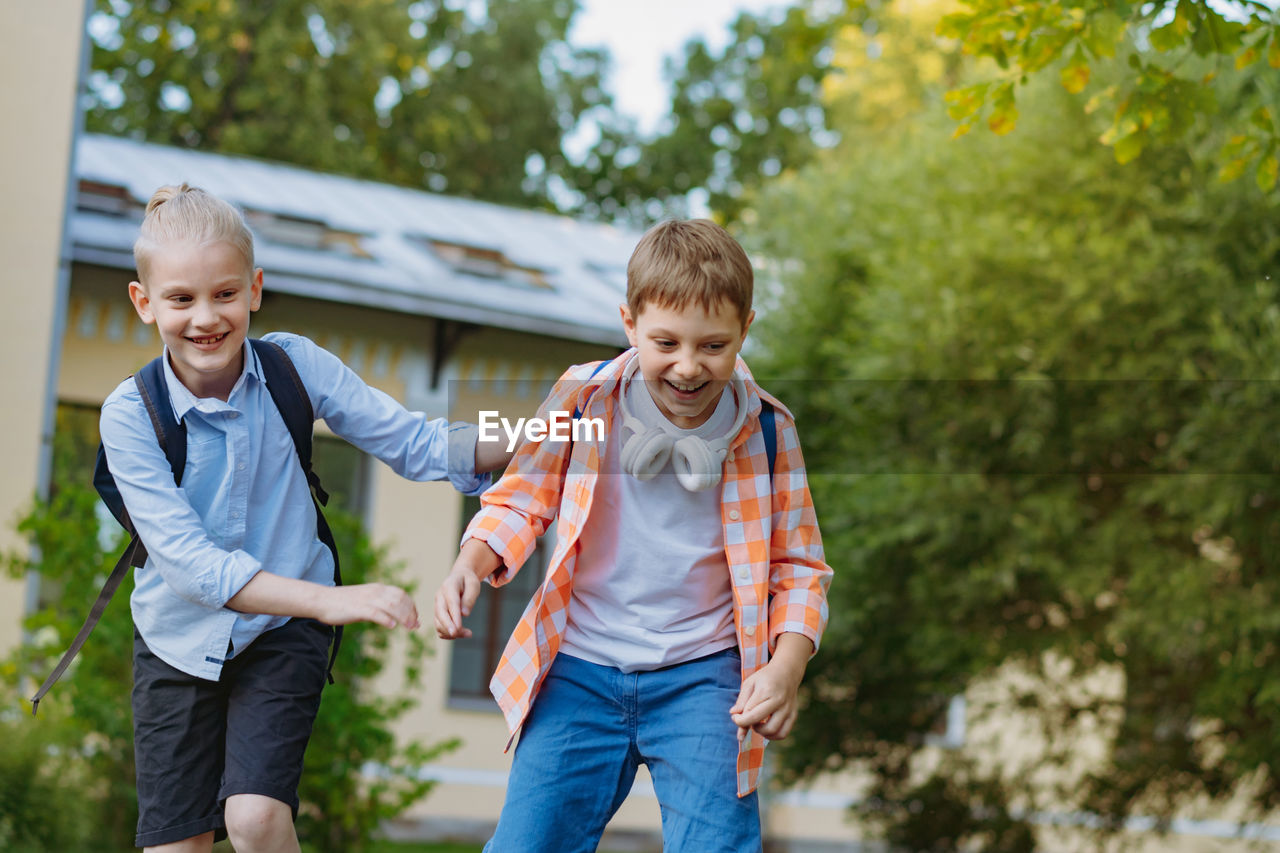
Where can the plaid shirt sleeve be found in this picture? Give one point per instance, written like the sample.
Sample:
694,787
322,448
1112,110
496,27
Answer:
520,506
798,573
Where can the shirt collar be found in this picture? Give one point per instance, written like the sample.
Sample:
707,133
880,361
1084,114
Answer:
180,395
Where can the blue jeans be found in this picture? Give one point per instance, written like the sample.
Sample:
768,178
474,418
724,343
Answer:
589,729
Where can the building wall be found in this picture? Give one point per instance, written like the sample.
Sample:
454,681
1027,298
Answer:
39,45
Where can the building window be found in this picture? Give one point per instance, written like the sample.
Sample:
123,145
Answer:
344,472
496,612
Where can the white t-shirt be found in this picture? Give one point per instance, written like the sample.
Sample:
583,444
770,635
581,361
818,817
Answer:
652,587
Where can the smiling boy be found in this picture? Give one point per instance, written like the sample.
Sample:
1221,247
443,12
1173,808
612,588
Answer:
232,611
687,588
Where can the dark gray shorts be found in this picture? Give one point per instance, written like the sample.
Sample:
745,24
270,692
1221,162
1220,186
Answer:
197,742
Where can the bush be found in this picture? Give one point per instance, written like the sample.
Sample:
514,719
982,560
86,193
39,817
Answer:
86,720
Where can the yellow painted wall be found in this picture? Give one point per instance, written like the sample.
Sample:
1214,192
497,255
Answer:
39,46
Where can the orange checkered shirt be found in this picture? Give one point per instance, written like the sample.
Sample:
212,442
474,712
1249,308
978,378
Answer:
771,537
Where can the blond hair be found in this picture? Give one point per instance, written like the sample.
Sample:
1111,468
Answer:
680,262
187,214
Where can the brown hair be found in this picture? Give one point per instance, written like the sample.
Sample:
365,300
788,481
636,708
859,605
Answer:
683,261
187,214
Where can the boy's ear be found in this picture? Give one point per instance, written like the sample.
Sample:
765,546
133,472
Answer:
751,316
629,324
255,290
141,302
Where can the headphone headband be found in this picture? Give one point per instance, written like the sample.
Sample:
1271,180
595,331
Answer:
698,462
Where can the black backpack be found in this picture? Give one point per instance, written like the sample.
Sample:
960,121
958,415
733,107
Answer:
290,398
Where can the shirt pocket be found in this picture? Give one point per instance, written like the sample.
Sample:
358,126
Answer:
206,456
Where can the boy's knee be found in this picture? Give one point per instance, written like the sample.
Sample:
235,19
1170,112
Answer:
256,822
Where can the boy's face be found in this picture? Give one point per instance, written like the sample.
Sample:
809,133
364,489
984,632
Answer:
686,356
200,297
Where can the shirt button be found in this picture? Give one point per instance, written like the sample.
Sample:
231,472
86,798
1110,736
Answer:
749,628
734,515
235,514
744,573
731,457
234,415
240,467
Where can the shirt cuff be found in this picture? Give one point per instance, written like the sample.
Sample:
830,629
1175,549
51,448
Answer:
237,569
462,459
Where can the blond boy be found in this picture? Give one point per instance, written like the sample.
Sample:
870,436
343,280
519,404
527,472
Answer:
232,611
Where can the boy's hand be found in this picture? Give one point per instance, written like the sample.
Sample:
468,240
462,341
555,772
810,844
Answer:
458,594
767,702
381,603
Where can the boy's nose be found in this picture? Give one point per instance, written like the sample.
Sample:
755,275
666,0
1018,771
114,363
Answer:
687,365
203,315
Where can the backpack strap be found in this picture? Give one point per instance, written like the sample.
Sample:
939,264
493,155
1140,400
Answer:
577,412
769,430
291,399
171,434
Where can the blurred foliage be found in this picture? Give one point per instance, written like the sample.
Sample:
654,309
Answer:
414,92
1038,397
475,99
39,777
82,742
1171,50
738,118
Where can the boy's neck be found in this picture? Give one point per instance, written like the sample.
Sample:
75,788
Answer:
217,386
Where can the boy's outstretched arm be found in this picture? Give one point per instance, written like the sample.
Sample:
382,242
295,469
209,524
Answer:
492,455
459,591
275,595
768,700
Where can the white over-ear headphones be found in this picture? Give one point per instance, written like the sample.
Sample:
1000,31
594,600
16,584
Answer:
698,463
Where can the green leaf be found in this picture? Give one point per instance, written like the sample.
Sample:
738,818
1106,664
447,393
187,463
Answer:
1129,147
1167,38
1103,33
1268,169
1233,169
1075,76
1247,57
1262,119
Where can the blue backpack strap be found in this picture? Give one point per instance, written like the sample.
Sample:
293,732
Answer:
291,399
602,365
171,434
769,430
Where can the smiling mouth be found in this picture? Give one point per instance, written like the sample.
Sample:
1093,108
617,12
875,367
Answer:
207,340
686,388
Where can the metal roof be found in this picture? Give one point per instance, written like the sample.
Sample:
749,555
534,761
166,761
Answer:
401,249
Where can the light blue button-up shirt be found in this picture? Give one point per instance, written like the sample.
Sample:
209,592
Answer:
244,505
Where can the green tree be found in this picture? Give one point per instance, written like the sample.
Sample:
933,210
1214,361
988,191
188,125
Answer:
417,92
1173,49
737,119
87,715
1037,393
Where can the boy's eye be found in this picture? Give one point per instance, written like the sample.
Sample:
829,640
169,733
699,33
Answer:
181,299
715,347
227,294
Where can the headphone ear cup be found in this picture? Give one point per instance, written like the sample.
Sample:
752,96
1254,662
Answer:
646,453
696,463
